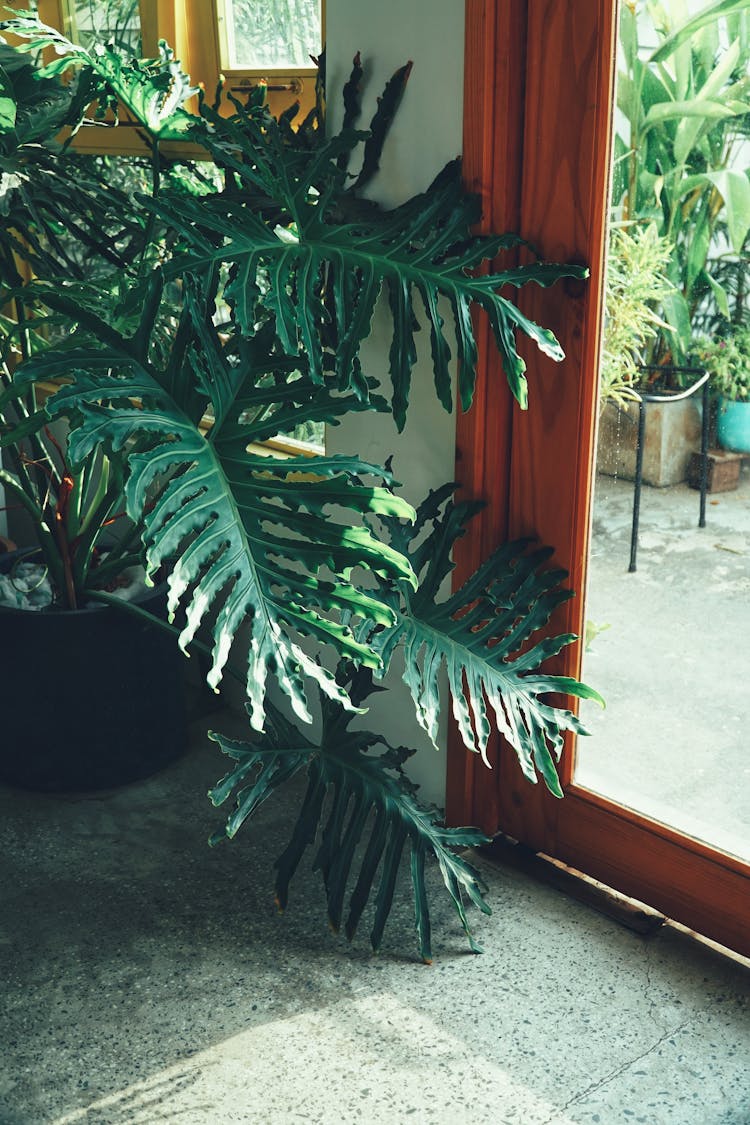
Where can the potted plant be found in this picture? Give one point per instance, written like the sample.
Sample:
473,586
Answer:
684,95
636,289
728,360
240,316
64,217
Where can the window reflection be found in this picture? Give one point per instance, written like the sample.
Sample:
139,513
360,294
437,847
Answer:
277,35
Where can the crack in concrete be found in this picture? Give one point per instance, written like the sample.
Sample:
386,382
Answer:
614,1074
658,1024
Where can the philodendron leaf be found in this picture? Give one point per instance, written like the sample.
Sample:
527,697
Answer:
246,539
359,813
484,638
154,91
328,256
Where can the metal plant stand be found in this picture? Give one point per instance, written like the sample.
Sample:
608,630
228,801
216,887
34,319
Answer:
701,384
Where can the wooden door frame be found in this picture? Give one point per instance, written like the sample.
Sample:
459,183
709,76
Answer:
537,131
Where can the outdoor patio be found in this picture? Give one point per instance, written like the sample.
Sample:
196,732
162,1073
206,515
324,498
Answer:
672,659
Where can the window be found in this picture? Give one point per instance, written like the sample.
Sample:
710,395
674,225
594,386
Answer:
241,39
561,54
279,35
84,20
277,41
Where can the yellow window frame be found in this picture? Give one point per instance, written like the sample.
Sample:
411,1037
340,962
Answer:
193,28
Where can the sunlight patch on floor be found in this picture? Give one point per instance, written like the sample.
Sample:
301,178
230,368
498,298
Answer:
408,1068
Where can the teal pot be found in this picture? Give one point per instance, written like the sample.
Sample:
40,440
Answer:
90,698
733,423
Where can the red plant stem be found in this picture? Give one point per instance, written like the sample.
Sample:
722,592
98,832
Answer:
70,588
63,495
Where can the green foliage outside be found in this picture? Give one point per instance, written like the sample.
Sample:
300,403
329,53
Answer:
274,33
637,285
728,360
103,20
684,95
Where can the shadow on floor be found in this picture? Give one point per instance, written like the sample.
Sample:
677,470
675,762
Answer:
149,978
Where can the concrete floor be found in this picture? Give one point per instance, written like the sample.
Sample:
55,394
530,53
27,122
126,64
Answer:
674,661
147,978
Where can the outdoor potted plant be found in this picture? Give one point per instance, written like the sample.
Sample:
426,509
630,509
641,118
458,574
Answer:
728,360
240,315
683,97
636,289
675,173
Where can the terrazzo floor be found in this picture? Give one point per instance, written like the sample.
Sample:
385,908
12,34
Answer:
147,978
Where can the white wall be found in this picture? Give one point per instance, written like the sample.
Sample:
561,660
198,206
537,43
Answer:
426,135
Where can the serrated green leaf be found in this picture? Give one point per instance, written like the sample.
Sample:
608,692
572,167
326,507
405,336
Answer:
319,257
245,539
477,635
370,817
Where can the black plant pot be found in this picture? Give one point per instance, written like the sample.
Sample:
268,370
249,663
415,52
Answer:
90,698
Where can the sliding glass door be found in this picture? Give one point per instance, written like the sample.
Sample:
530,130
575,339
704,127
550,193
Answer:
538,111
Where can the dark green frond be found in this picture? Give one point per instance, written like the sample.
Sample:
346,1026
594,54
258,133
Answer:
484,637
248,539
360,814
328,256
380,125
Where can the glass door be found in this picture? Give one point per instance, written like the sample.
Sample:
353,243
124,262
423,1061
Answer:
668,600
624,819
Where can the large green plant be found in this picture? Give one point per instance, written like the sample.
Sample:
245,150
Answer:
486,633
246,304
684,93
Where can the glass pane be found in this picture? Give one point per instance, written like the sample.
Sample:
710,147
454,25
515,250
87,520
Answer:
668,649
309,433
668,618
277,34
105,19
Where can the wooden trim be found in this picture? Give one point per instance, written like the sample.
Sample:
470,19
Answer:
683,878
573,882
564,64
566,159
204,52
538,95
493,140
